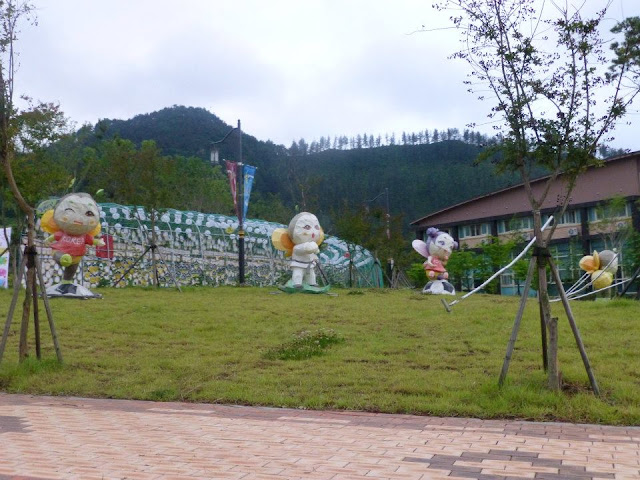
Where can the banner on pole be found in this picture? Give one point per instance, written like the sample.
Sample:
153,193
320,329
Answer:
5,233
249,173
232,169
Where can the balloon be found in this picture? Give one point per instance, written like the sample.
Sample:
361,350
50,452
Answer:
601,279
590,263
609,261
601,266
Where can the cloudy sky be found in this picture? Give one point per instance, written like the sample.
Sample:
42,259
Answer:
289,69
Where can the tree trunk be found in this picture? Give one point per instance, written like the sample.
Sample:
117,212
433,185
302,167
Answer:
31,236
543,299
30,282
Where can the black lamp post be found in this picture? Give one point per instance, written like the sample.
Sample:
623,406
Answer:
214,157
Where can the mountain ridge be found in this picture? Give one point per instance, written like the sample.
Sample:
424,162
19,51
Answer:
420,178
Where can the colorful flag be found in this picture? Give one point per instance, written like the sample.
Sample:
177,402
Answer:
232,169
105,251
248,173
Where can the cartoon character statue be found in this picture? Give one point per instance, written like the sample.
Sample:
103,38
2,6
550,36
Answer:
436,250
73,223
601,266
301,241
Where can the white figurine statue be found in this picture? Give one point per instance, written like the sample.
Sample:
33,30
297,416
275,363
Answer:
301,241
437,250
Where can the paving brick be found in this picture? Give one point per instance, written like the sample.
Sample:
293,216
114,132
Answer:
56,438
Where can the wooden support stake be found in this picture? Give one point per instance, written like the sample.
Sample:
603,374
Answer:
574,327
543,339
545,315
516,323
36,316
47,308
23,349
12,307
554,380
631,280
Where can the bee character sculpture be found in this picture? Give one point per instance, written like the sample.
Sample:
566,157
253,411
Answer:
73,223
436,250
301,241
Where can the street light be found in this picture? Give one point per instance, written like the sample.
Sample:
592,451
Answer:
214,157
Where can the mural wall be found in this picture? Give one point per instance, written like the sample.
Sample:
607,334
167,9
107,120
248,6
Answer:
201,249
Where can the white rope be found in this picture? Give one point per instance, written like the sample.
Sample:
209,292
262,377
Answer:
590,293
576,285
492,277
572,295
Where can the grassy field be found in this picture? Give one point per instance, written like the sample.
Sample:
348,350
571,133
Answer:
380,350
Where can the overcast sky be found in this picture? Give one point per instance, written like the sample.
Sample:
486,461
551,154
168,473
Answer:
288,69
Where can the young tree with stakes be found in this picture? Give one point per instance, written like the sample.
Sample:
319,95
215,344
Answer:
23,130
557,93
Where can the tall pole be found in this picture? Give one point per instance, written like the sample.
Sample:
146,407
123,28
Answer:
240,210
239,193
386,191
390,259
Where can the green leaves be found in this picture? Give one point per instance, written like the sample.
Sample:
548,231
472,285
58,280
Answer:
627,52
553,107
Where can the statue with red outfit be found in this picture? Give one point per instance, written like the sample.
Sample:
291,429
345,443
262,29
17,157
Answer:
73,223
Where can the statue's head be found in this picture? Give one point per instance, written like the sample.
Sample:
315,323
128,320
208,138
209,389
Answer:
77,214
440,244
304,227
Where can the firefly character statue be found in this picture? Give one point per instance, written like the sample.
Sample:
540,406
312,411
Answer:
436,250
301,242
73,224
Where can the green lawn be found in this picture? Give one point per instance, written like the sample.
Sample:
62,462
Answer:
389,351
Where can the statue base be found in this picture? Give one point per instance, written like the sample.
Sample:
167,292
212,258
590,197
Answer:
439,287
304,288
70,290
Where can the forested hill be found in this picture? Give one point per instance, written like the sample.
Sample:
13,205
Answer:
420,178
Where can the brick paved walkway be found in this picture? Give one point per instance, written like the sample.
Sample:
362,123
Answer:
76,438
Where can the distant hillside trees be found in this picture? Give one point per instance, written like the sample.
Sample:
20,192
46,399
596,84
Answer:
423,137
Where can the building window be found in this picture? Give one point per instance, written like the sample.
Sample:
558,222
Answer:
567,258
604,212
507,279
474,230
570,217
515,224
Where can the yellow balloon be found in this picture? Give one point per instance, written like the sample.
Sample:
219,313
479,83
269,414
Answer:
601,279
590,263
